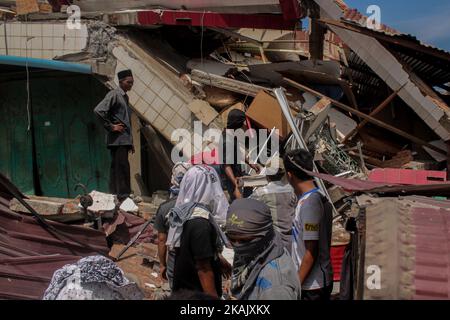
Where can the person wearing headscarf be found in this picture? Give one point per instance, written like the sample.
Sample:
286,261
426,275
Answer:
195,234
230,153
178,172
115,112
161,224
262,267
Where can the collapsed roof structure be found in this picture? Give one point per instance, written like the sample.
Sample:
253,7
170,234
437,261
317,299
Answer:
361,97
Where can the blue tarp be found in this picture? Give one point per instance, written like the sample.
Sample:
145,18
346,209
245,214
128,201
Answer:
46,64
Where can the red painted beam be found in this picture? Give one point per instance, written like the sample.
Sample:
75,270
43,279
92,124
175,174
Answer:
291,9
213,19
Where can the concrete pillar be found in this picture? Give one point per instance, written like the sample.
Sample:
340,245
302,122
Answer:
135,159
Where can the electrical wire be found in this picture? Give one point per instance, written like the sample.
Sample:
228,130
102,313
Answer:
201,37
28,74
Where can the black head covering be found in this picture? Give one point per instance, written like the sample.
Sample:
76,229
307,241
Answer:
253,218
124,73
236,118
249,217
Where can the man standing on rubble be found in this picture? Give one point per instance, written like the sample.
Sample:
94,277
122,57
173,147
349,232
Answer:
312,229
115,112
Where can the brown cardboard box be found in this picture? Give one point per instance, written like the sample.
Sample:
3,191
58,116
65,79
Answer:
266,112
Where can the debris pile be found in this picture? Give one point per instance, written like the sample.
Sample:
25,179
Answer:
370,105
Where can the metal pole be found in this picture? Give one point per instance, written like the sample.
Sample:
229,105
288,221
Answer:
263,147
282,100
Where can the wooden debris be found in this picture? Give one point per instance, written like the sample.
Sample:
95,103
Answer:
147,210
377,110
45,8
320,110
370,119
26,6
337,193
226,83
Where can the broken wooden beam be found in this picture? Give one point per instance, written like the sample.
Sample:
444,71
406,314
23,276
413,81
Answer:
377,110
370,119
226,83
320,111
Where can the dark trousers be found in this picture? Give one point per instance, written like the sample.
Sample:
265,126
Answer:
119,180
322,294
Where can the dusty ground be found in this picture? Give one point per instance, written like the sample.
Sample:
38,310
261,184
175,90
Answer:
137,270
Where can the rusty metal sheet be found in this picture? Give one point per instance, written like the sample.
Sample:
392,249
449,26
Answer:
408,239
27,233
29,277
30,252
364,186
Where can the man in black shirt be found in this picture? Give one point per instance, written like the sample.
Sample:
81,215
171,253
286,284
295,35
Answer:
230,153
197,266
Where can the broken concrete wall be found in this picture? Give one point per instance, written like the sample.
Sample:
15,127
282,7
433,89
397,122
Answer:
42,40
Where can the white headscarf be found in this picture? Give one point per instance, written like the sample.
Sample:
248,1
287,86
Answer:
201,184
178,172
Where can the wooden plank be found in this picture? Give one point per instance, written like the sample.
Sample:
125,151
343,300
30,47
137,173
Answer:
377,110
367,117
226,83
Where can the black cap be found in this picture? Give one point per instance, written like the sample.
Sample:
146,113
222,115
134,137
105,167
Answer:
125,73
236,119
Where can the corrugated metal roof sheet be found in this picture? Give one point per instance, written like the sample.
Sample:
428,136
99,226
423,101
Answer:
357,185
409,240
30,253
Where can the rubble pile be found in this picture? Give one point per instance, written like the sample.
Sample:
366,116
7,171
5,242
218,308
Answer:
372,106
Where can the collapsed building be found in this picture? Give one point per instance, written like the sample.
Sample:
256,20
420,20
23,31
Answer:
362,99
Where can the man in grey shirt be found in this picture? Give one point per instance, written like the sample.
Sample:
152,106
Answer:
279,196
115,112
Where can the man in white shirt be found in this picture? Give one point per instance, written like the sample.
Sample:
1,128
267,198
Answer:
312,228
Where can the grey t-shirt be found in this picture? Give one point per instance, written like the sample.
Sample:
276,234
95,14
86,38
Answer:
162,216
281,200
313,221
